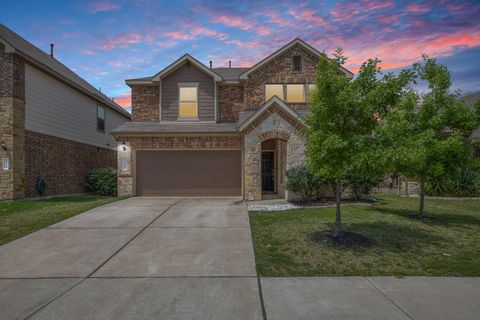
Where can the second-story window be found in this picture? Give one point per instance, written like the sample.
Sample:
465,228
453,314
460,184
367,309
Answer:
295,93
101,119
297,63
273,90
188,102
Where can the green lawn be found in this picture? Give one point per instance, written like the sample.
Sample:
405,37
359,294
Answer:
448,245
20,218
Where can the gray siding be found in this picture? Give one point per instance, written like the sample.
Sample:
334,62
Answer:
206,92
55,109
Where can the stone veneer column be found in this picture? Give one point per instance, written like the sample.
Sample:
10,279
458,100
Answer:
125,177
252,173
12,125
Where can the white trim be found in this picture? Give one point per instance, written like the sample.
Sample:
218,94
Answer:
265,106
215,101
6,164
283,49
160,101
180,61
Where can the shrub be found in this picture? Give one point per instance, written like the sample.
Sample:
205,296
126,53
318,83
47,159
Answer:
103,181
301,180
465,183
360,185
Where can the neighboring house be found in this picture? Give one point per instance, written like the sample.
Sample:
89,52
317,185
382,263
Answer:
218,131
470,100
53,124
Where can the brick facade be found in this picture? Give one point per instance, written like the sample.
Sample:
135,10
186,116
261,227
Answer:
230,102
279,70
145,103
64,164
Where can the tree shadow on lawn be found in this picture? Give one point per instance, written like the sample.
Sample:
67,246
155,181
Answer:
445,219
391,237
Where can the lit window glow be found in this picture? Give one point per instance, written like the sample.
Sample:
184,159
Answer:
188,102
273,90
295,93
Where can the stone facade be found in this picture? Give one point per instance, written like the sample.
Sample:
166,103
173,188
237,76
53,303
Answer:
12,124
230,102
64,164
273,126
145,103
279,70
126,152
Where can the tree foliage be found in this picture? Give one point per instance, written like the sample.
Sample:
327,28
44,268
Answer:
344,115
427,132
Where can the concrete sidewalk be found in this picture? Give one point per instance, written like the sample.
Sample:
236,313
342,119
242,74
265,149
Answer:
192,258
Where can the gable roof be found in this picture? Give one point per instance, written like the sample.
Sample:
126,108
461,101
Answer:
172,67
273,100
15,44
296,41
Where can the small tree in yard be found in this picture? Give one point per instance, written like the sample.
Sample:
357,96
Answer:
344,116
429,131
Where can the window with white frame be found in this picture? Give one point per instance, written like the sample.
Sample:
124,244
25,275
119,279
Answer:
273,90
6,164
295,93
188,101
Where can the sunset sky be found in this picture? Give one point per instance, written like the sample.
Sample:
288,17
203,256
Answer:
107,42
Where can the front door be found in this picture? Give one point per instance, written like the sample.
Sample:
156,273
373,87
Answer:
268,167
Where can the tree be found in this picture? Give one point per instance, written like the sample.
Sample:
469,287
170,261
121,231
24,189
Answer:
344,115
428,132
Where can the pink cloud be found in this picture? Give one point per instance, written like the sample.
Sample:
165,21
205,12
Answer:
275,18
241,23
344,12
388,19
124,100
104,6
124,40
196,31
308,15
88,52
244,44
177,35
403,52
418,8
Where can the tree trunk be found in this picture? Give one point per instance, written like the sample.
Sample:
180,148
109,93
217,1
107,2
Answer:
338,216
422,198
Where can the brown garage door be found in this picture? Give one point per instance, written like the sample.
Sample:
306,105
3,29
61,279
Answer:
188,173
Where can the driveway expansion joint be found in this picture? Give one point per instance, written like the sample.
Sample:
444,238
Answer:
389,299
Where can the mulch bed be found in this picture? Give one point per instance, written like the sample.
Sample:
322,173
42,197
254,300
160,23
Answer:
345,239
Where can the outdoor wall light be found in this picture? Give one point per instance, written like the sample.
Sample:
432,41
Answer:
2,143
123,146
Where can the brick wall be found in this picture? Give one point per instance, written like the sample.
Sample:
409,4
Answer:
145,103
63,163
279,70
230,102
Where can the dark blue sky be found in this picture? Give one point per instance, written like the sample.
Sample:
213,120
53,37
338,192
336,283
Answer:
109,41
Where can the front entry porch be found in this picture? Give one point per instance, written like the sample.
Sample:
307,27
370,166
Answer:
273,156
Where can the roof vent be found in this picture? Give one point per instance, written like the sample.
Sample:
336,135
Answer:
210,64
51,49
229,63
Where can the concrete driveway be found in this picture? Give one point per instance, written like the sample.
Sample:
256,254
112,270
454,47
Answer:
192,258
141,258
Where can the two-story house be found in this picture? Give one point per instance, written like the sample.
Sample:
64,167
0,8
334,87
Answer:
199,130
54,126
